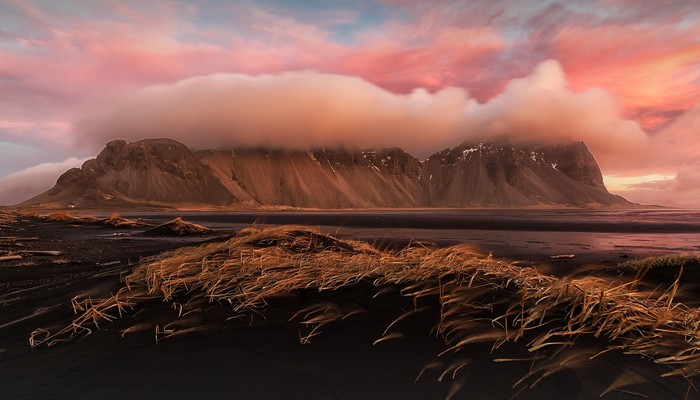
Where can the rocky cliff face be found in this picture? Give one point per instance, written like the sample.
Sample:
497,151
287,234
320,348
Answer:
575,161
475,174
154,171
499,173
319,179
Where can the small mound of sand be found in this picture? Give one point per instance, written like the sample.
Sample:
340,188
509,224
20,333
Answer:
178,227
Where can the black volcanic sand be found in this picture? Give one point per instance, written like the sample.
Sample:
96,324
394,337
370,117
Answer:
593,236
261,357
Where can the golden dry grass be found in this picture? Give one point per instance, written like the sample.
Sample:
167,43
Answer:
8,217
668,261
480,299
180,227
116,221
113,220
63,216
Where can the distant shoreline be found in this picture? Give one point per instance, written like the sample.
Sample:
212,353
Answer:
286,208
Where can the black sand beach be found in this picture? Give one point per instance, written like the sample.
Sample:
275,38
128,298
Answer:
262,357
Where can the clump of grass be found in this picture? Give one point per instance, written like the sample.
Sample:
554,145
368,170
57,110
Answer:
668,261
481,299
115,221
178,227
63,216
8,218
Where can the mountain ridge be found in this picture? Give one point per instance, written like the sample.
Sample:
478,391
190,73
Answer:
485,173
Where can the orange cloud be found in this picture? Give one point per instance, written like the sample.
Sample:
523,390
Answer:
648,71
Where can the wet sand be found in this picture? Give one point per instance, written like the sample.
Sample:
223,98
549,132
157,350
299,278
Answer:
263,357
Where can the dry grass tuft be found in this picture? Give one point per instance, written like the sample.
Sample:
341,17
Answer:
8,217
670,261
480,299
63,216
113,220
178,227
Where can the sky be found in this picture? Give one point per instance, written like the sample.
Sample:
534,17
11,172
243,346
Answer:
621,75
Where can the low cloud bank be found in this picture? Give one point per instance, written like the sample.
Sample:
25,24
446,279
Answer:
301,110
29,182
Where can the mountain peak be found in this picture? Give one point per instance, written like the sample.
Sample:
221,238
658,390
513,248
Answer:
151,171
569,157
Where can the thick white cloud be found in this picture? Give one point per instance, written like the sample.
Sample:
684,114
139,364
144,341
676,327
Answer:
29,182
542,106
303,110
297,110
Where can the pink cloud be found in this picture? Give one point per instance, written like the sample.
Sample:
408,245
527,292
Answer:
681,191
441,46
648,71
451,57
678,145
688,180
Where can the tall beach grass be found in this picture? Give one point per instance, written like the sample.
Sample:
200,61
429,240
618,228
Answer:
481,299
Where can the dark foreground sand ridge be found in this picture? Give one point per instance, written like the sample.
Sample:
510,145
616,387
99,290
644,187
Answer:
332,318
481,300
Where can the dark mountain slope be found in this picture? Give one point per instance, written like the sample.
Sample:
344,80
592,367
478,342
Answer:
320,179
149,171
498,173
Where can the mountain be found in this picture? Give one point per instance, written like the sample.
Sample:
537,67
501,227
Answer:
487,173
499,173
148,172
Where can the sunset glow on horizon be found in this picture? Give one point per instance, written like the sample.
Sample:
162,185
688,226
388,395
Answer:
621,75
